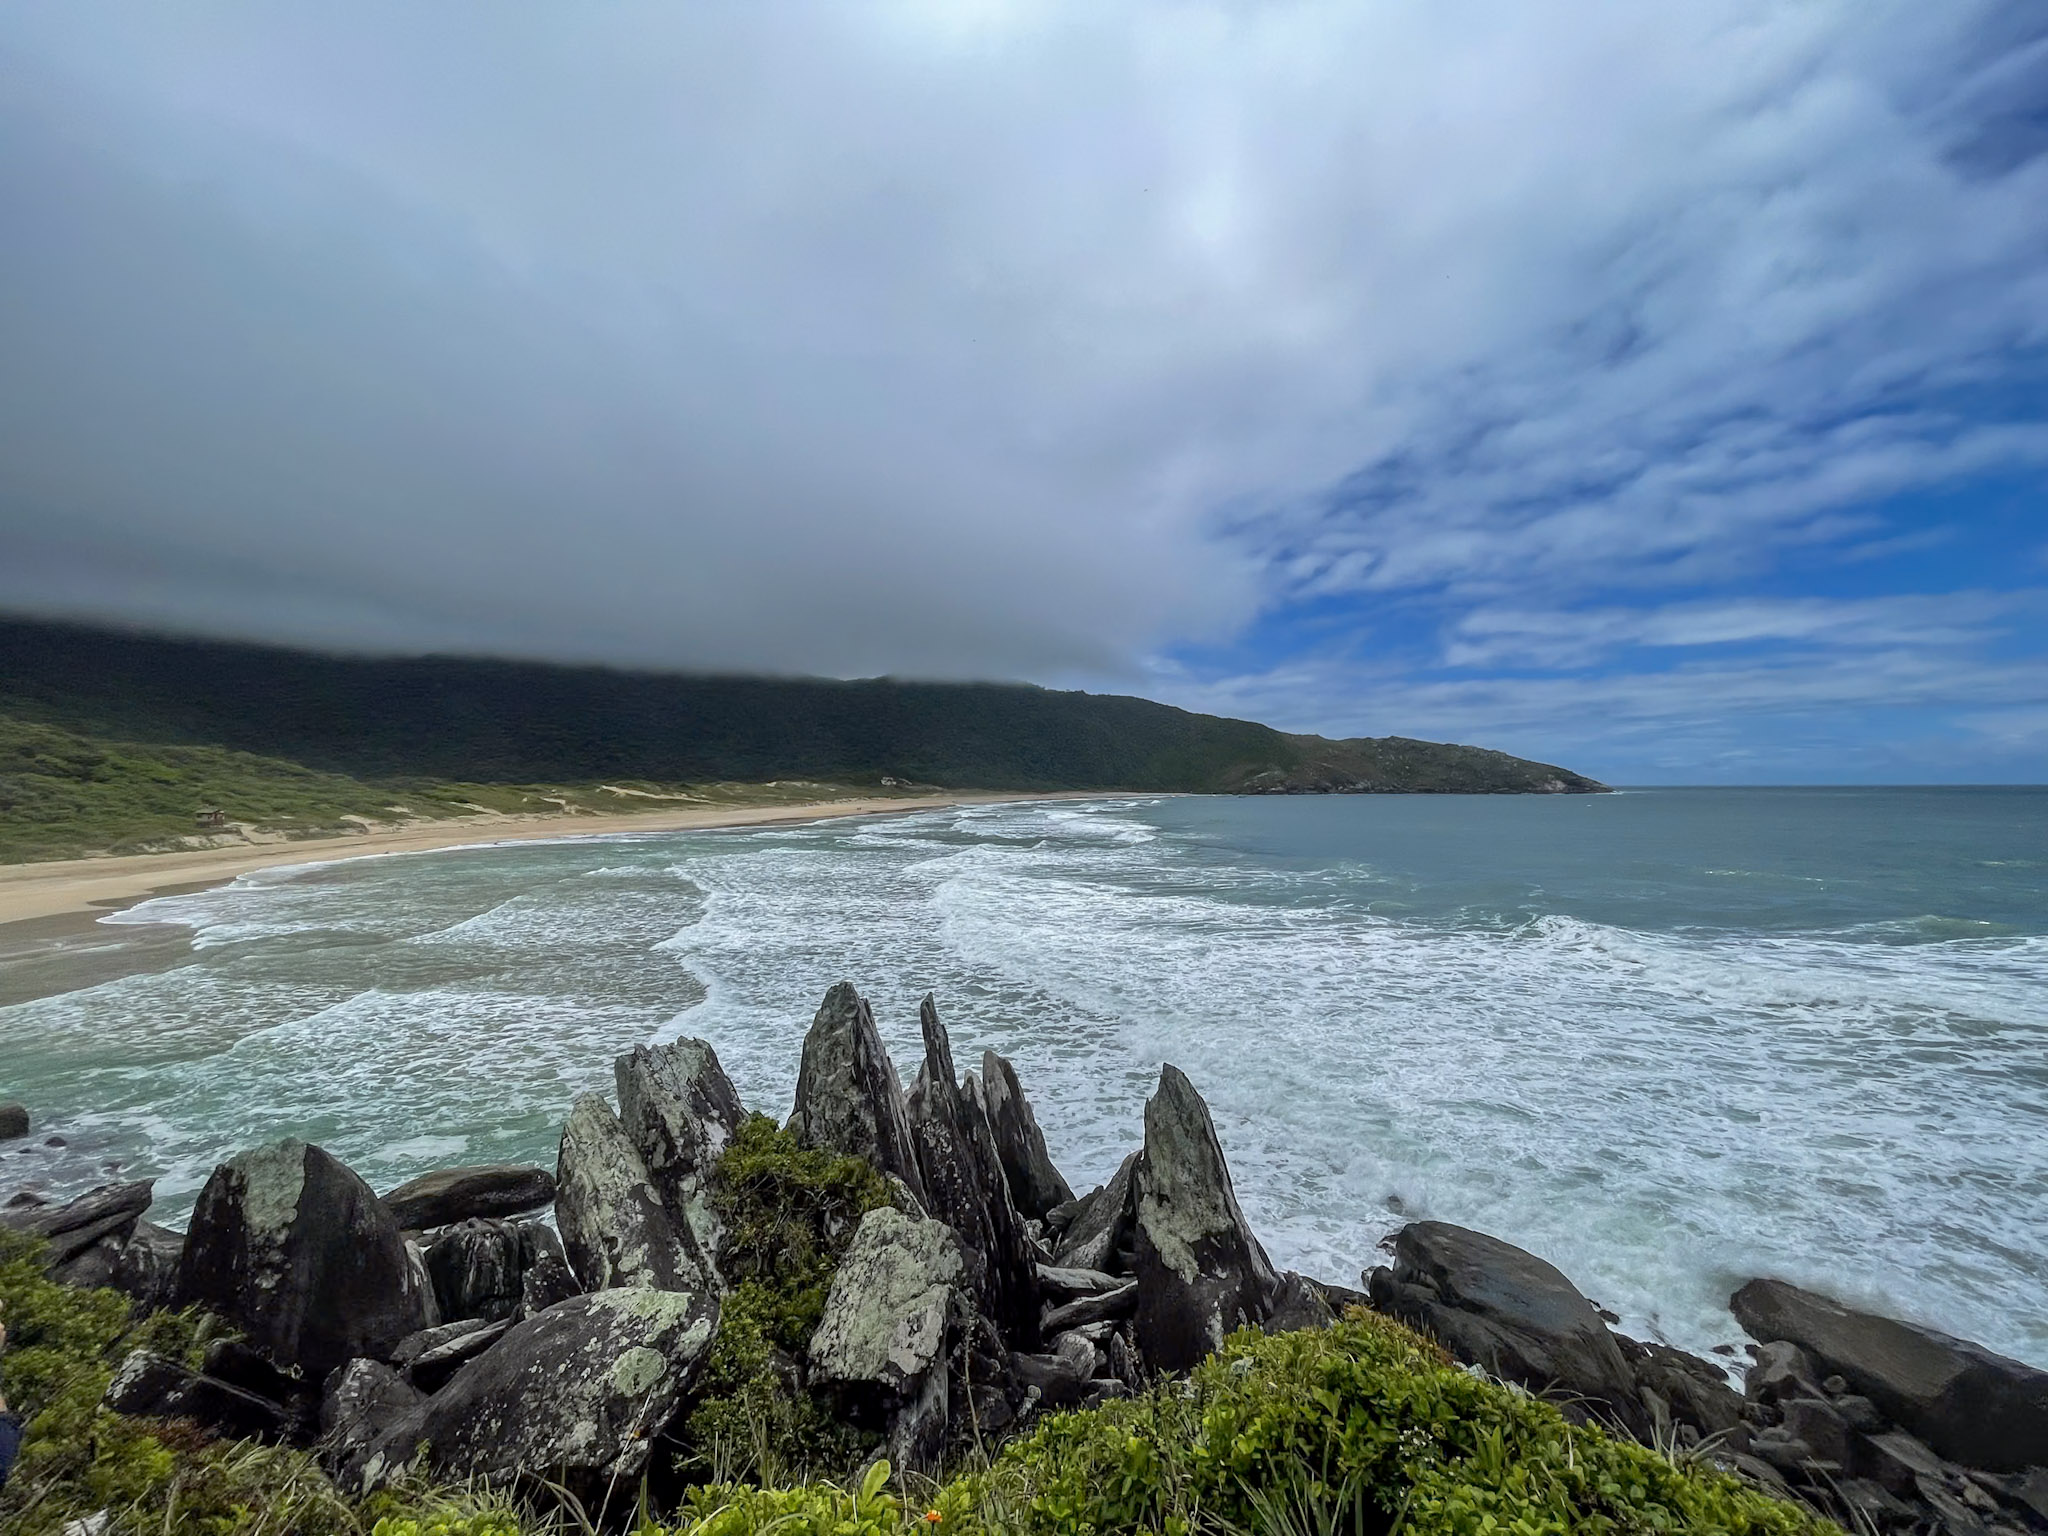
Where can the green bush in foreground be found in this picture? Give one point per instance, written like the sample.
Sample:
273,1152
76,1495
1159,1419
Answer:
1360,1428
789,1212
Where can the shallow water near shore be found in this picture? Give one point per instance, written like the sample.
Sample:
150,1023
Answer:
1667,1039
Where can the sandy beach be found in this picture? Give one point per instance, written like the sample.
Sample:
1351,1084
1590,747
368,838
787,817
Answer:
59,894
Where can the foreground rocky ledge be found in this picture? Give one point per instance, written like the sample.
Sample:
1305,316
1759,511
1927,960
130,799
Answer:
970,1294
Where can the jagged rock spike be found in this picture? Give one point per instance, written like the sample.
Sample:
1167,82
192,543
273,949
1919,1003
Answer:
1035,1184
1201,1272
848,1096
614,1227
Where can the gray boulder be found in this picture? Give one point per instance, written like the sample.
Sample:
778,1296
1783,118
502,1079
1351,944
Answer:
965,1188
147,1268
1297,1303
546,1280
13,1121
287,1244
1688,1389
1201,1272
363,1400
1974,1407
1494,1305
477,1268
894,1312
152,1386
614,1228
1100,1230
450,1195
848,1096
1035,1184
578,1395
681,1112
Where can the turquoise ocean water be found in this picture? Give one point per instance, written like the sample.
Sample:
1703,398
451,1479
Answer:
1666,1038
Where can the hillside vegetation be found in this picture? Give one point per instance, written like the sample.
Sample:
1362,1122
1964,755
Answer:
109,738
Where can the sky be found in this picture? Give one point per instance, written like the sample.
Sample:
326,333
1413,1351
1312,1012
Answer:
1659,390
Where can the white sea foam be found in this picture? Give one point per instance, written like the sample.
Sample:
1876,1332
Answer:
1660,1112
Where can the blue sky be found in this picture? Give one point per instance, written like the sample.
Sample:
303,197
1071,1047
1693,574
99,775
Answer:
1658,390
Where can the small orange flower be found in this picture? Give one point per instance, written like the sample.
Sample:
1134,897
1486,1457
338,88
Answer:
932,1517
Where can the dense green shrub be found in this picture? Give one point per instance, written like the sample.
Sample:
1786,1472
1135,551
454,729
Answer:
1348,1428
789,1212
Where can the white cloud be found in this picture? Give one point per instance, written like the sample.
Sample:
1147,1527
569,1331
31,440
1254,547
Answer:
1002,339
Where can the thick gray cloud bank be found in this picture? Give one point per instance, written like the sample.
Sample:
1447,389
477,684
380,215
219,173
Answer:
1529,372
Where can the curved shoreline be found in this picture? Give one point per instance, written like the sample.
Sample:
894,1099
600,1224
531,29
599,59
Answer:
92,887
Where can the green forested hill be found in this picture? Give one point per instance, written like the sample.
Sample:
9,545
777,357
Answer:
353,731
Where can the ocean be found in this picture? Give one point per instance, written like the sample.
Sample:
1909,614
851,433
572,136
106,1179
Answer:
1668,1039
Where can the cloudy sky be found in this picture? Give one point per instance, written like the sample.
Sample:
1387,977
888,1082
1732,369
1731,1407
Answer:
1660,389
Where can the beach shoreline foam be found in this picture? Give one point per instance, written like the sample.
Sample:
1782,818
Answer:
85,890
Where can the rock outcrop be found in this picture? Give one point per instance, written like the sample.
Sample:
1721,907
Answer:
894,1312
848,1096
153,1386
1495,1305
1098,1233
679,1109
578,1394
1972,1406
442,1198
1201,1272
614,1227
479,1268
363,1400
291,1247
13,1121
965,1188
84,1238
1036,1186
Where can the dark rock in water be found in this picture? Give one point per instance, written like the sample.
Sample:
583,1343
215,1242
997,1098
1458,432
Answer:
895,1309
578,1395
613,1225
965,1188
13,1121
108,1213
153,1386
1298,1303
1972,1406
680,1111
1780,1369
460,1194
848,1096
1101,1228
287,1244
1201,1272
1694,1391
148,1266
1035,1184
476,1270
1494,1305
364,1399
